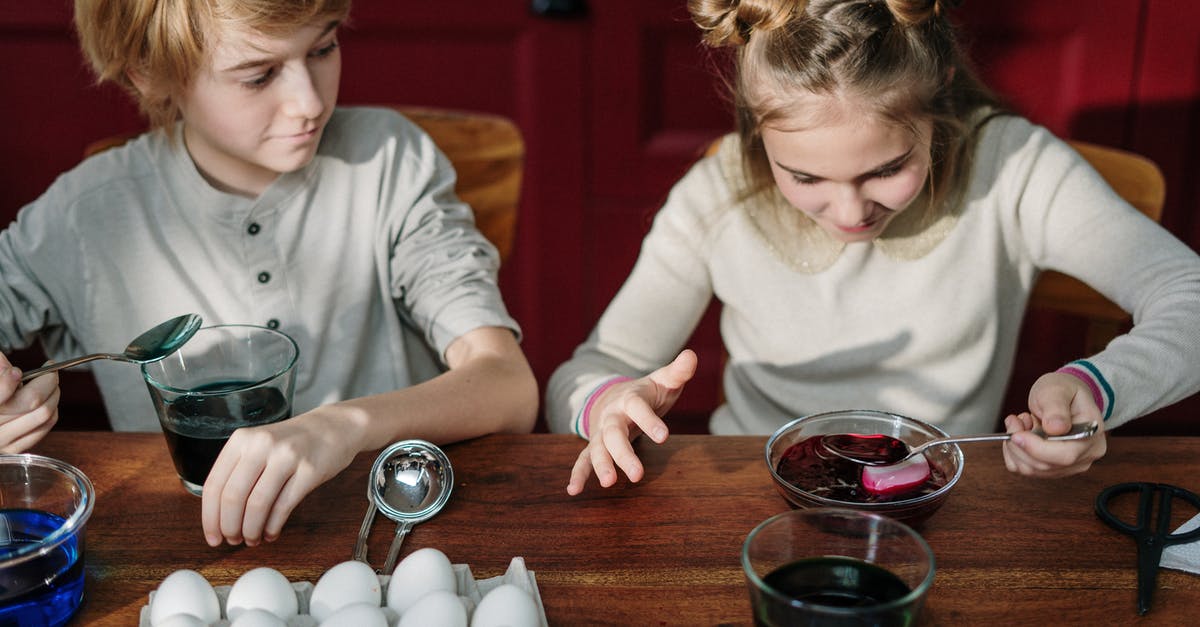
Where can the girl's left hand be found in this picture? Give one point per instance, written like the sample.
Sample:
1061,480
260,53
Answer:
263,472
1056,401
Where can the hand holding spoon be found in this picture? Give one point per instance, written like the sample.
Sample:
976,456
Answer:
891,466
884,450
153,345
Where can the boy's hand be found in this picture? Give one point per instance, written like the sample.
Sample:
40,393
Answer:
264,472
27,412
1056,401
620,414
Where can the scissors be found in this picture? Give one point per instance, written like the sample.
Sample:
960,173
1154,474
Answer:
1151,536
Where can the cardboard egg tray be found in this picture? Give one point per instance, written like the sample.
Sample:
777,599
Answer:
471,590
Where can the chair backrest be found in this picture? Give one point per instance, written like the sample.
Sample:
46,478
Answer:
487,152
1136,179
1139,181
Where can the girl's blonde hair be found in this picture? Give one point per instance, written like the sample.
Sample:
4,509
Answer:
164,42
900,58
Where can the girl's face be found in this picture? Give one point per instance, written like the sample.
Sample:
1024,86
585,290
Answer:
259,106
851,173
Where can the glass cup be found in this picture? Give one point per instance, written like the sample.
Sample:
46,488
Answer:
224,378
44,506
830,566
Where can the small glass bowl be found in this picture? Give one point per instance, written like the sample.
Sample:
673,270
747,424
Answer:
946,458
44,507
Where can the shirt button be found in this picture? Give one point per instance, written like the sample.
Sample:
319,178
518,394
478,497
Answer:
272,324
263,277
254,228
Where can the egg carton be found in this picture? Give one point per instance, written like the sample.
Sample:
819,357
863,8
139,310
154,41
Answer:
471,590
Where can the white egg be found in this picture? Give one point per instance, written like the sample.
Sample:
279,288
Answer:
258,618
262,588
506,605
181,620
357,615
422,572
185,592
344,584
440,607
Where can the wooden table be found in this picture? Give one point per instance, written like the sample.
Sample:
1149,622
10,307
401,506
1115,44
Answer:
1009,550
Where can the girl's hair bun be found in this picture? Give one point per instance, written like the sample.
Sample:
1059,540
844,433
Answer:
731,22
916,12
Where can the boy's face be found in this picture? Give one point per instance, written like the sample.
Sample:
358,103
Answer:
853,172
259,106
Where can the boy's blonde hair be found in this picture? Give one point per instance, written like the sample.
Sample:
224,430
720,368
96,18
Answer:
899,57
164,42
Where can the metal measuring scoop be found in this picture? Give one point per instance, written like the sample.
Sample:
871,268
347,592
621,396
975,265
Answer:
881,450
153,345
410,481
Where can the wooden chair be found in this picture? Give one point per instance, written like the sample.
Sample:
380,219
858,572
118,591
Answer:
1136,179
1139,181
487,151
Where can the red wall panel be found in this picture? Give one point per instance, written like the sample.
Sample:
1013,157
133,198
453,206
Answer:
615,105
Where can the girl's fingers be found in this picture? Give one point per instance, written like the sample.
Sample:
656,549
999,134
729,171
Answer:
620,450
601,463
640,412
580,472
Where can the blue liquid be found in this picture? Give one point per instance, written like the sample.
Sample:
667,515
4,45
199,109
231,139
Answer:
26,599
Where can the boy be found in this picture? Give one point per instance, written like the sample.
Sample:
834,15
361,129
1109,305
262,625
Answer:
254,200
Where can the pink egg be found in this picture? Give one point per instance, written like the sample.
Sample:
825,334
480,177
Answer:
896,478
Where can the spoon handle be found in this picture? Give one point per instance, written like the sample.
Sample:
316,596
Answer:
394,551
36,372
1077,432
360,545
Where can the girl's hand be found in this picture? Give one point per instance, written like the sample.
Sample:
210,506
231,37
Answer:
263,472
1056,401
27,412
620,414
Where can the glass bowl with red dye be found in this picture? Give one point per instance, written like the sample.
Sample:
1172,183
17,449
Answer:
807,475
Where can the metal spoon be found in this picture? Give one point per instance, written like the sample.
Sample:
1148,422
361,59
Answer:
150,346
881,450
410,481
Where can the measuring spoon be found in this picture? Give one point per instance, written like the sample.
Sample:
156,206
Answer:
410,482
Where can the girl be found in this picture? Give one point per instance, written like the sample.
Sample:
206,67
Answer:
872,231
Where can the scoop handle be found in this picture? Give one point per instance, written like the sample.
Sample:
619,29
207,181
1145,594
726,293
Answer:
394,551
360,545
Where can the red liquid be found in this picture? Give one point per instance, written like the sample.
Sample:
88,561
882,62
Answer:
809,467
883,449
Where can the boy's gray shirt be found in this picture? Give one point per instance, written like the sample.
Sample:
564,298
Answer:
365,257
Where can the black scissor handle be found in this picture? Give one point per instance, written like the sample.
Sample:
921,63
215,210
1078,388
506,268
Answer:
1143,526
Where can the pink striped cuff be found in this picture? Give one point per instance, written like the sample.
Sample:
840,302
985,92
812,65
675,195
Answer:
581,421
1102,392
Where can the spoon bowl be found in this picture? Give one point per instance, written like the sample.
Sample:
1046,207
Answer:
410,482
885,450
153,345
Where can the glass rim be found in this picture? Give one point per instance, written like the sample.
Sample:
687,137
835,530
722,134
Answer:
913,595
72,524
291,363
882,507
